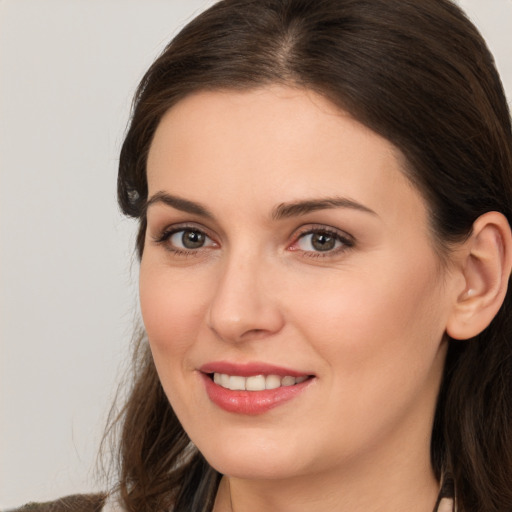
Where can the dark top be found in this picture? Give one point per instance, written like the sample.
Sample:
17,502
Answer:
75,503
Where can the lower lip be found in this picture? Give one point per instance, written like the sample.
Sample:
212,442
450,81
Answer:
251,402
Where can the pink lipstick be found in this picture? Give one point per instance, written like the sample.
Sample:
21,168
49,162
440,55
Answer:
252,388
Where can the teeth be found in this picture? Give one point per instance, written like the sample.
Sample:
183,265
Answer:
237,383
224,380
256,382
272,382
288,381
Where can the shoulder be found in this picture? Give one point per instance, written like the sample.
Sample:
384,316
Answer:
75,503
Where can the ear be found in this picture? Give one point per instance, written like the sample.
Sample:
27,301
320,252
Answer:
486,263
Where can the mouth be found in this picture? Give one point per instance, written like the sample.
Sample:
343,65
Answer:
255,382
252,389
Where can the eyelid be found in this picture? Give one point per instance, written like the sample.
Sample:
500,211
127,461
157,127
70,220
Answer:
162,237
347,240
170,229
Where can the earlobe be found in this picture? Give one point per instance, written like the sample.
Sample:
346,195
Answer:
486,266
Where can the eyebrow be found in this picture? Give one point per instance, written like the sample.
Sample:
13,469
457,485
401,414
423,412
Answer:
298,208
281,211
179,203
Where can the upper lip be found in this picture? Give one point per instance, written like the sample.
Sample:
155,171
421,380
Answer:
250,369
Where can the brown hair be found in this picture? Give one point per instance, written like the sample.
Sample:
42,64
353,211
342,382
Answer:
418,73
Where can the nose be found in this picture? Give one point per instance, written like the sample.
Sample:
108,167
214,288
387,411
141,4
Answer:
244,306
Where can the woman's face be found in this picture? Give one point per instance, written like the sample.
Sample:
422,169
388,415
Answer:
287,253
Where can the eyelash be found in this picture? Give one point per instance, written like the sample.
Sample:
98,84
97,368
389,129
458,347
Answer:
164,237
345,240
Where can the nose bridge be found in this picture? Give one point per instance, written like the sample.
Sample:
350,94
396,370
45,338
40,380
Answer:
244,304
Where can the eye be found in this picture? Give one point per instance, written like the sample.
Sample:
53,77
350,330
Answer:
188,239
318,242
322,240
184,240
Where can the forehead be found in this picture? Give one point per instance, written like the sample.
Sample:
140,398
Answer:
271,145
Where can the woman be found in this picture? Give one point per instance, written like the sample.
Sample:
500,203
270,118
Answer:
324,195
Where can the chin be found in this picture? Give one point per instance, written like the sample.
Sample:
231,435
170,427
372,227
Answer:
253,470
260,460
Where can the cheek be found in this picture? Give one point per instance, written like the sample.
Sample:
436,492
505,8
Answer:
384,323
380,340
172,308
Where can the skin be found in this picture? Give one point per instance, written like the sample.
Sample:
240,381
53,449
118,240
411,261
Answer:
367,318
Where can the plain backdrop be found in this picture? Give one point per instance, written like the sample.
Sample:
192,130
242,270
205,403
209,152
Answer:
68,294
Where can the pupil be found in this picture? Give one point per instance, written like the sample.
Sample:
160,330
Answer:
193,239
323,242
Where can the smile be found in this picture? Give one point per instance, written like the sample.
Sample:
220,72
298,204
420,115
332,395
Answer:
254,388
255,382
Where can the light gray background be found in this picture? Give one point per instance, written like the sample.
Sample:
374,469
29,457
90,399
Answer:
68,69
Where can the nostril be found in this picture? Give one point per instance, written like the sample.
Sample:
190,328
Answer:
255,334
